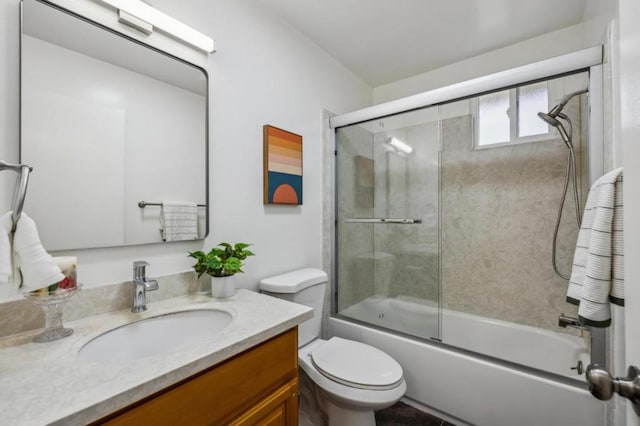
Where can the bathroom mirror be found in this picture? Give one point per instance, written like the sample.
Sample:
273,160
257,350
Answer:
107,122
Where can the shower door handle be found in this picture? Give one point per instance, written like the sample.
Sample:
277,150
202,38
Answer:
381,220
603,386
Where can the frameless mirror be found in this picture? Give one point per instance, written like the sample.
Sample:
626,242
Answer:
107,122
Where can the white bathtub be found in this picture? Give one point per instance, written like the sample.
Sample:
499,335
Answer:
471,389
529,346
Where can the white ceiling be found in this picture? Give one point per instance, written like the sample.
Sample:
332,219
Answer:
382,41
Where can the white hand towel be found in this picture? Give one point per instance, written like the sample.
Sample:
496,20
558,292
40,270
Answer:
178,221
6,254
597,275
37,266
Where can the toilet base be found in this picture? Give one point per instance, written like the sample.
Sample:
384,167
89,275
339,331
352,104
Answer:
341,416
317,408
309,412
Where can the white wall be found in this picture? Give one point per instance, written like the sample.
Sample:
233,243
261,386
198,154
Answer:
539,48
628,74
264,72
597,16
9,89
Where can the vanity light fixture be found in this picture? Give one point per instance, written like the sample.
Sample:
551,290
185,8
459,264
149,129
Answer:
400,146
145,18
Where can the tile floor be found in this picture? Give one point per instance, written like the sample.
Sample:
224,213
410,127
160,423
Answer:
401,414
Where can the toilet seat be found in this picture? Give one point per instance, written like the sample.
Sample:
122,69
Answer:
346,395
356,365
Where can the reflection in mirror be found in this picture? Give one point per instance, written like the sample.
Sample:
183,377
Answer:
107,122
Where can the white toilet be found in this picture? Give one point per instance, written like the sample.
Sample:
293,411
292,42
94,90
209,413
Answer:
351,379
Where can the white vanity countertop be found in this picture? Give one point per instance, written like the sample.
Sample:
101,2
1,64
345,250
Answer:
46,383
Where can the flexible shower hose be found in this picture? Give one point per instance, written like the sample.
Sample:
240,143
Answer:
571,166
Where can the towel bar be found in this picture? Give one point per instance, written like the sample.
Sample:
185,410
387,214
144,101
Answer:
143,204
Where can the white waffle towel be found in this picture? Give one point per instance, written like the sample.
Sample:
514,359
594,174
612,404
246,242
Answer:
597,275
178,221
37,266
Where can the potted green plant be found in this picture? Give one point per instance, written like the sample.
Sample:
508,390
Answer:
222,263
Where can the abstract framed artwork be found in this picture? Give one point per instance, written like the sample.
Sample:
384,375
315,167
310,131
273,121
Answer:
282,166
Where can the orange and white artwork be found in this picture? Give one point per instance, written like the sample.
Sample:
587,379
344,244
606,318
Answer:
282,166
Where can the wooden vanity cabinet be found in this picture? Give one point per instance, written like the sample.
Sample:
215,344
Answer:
256,387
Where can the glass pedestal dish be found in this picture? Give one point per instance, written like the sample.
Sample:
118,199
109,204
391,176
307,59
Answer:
52,304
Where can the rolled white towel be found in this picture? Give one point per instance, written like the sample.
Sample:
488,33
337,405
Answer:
37,266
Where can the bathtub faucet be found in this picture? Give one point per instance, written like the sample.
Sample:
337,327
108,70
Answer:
567,321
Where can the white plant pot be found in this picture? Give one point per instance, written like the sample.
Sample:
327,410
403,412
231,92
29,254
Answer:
223,286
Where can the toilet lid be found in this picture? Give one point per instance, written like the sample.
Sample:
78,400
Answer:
356,364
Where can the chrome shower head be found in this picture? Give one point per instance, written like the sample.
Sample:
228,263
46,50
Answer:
550,119
556,111
553,121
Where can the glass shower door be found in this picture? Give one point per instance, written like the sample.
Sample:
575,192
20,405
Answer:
387,223
448,223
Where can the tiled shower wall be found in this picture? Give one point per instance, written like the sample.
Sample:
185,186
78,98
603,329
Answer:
499,208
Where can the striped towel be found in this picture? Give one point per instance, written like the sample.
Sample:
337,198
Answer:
178,221
597,275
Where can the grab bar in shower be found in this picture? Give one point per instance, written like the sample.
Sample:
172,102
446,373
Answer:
381,220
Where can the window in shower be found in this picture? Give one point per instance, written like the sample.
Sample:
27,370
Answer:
510,116
530,100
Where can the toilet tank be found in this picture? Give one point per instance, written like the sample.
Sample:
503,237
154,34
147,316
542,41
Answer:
303,286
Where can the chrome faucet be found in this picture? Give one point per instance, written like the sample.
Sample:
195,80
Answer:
567,321
141,286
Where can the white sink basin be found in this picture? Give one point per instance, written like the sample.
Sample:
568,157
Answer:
158,335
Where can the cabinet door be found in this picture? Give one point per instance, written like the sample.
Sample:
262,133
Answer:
278,409
226,391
